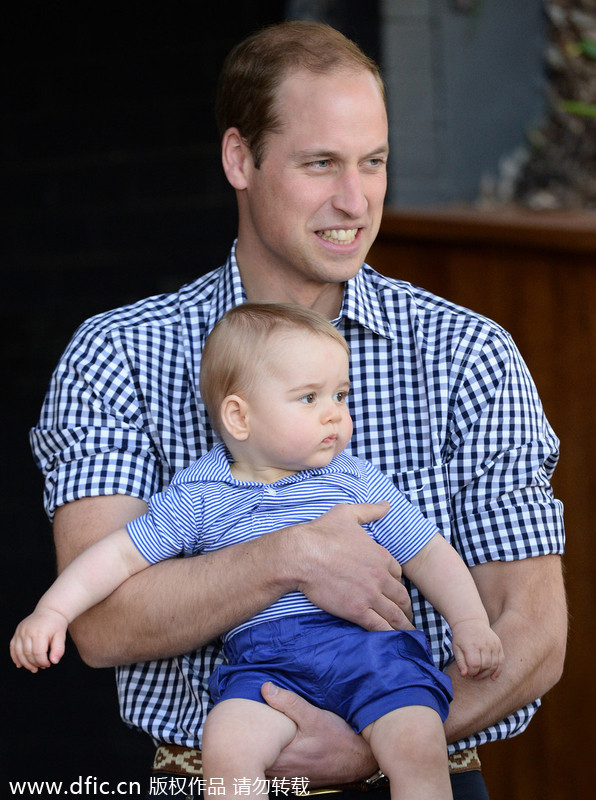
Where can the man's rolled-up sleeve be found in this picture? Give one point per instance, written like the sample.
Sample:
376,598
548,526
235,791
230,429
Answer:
92,437
504,455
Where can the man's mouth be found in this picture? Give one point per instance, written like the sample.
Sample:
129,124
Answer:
341,236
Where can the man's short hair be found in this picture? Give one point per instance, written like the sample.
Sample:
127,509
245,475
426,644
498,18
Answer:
255,68
237,349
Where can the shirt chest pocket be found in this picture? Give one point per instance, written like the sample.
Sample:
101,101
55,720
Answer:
429,490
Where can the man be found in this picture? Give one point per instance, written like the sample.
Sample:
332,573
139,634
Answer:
441,402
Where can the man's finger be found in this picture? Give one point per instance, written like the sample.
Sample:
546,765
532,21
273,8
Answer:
288,703
395,604
385,615
369,512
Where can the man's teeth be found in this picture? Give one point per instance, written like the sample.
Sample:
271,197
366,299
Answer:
339,236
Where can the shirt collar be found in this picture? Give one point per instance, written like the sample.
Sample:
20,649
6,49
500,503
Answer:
361,303
229,290
215,466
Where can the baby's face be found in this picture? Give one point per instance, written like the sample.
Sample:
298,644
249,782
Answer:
297,413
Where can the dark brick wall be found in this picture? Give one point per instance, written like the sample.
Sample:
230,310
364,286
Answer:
112,191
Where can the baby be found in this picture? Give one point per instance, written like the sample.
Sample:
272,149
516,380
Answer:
274,379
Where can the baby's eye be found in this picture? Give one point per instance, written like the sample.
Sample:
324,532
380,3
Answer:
308,398
340,397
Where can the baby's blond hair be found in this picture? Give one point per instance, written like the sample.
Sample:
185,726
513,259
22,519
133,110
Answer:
236,348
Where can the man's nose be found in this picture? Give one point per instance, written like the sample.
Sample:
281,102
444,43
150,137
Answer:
350,196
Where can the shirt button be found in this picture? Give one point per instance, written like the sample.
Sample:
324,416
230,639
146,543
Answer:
270,491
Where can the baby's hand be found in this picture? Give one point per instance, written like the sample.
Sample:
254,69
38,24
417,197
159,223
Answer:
477,649
42,631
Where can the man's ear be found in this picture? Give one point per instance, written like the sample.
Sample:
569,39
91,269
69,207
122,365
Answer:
234,417
236,158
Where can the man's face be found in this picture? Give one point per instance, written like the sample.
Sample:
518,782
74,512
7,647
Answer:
309,215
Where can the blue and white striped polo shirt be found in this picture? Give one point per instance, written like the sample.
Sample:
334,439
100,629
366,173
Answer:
205,508
442,404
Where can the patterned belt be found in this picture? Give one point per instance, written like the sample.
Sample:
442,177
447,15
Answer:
177,760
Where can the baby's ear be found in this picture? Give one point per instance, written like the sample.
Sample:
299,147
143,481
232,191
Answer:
234,417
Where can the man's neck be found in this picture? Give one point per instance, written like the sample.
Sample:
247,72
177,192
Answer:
326,299
263,287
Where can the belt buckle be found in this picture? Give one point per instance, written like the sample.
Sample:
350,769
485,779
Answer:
376,781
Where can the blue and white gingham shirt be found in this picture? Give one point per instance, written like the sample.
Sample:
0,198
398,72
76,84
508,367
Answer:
205,508
441,400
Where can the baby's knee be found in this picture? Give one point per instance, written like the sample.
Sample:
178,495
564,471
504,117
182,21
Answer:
411,734
425,743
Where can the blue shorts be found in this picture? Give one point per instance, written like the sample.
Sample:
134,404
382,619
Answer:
336,665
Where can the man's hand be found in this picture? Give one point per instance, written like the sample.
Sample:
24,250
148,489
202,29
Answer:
346,573
325,749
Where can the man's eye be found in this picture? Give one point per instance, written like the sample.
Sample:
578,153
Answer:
374,165
308,398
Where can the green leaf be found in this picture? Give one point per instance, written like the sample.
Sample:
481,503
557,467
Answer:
588,48
578,108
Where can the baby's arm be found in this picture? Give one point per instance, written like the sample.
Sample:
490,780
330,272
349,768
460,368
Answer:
445,581
87,580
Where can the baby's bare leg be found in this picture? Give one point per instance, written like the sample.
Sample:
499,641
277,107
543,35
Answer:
410,748
242,739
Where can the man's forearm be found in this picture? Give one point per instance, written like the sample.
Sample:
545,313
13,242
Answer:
180,604
531,621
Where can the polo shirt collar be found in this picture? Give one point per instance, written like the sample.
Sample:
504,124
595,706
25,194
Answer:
215,466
